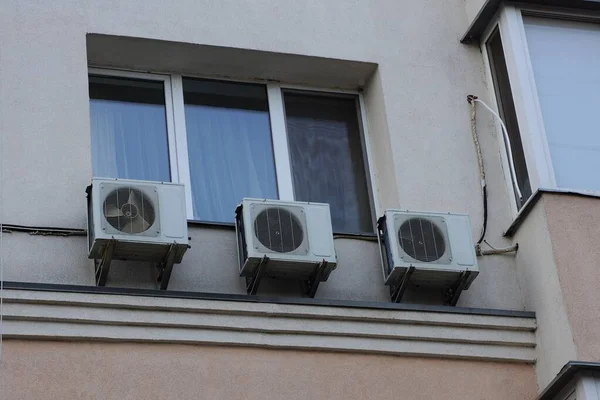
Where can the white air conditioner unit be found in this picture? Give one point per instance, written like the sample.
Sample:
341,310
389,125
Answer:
137,221
283,239
432,249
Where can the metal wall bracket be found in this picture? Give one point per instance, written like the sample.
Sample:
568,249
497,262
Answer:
165,267
253,281
312,284
397,292
455,291
309,286
102,267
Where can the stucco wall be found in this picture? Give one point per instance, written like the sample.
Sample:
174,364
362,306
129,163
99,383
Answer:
574,226
473,7
543,292
42,370
417,113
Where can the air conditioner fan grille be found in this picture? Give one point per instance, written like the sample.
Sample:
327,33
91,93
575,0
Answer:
129,210
422,240
278,229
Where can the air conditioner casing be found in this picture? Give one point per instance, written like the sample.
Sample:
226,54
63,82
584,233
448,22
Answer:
436,269
296,258
168,225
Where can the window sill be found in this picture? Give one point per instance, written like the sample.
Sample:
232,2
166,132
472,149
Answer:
528,206
231,226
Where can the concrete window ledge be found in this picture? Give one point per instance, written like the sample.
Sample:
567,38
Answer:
537,196
61,315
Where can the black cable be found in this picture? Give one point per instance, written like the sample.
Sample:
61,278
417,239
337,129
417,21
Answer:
44,230
485,215
356,236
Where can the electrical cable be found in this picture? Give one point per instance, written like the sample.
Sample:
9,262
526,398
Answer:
471,101
43,230
511,162
367,237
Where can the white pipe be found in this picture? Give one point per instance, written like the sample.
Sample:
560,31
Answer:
511,162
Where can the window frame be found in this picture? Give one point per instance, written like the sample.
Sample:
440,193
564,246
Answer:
177,133
173,164
511,27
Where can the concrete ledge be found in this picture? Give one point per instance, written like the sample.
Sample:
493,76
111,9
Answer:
490,7
46,315
533,200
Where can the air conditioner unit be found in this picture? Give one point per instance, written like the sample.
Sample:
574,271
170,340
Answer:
427,249
283,239
137,221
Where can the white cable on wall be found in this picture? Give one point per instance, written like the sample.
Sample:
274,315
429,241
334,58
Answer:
511,162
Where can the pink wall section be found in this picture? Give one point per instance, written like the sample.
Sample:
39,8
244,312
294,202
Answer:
77,370
574,226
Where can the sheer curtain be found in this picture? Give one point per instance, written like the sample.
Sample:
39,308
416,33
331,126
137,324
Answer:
229,147
327,159
128,129
565,57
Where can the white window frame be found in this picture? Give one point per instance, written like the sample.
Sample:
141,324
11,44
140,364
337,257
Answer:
177,137
510,24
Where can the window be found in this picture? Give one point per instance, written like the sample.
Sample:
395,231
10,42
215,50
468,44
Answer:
128,129
228,140
545,67
506,107
565,57
326,157
229,146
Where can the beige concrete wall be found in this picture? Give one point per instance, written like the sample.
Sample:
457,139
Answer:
574,226
543,292
60,370
417,112
473,7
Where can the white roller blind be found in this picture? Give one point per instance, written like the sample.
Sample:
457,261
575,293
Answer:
565,57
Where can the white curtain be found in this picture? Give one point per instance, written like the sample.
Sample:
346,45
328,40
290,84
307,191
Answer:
565,57
231,157
327,159
129,140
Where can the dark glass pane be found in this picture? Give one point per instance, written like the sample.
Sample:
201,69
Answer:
326,157
128,129
229,146
506,107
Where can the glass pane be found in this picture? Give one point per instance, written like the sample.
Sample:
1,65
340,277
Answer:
326,157
129,129
229,146
506,106
566,64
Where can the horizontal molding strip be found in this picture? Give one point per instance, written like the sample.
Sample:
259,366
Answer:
45,315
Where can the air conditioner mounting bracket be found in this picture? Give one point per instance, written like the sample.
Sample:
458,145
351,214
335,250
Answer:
102,267
253,281
454,292
309,286
312,284
397,292
165,267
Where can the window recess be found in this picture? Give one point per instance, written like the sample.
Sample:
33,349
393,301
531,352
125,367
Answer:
228,140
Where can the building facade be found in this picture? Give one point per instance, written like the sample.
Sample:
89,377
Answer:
127,89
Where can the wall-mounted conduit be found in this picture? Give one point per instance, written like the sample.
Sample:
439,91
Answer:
472,99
